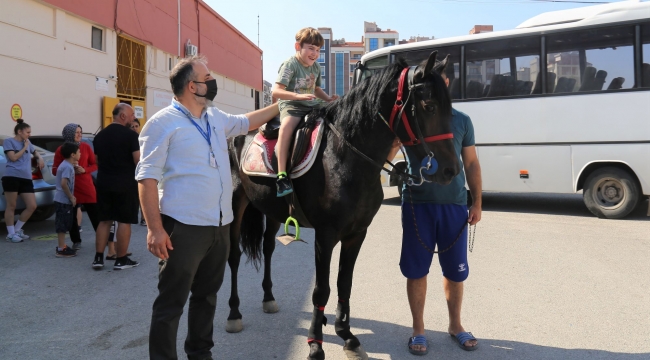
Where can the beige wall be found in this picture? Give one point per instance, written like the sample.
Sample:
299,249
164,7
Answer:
48,67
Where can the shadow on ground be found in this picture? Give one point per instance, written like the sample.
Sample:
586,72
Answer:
381,339
540,203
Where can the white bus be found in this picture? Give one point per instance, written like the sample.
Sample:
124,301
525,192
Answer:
578,121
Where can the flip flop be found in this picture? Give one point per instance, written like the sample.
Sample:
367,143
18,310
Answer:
421,341
463,337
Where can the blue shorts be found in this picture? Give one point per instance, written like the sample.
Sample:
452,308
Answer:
436,225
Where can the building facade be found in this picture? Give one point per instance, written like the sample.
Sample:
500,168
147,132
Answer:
65,61
338,57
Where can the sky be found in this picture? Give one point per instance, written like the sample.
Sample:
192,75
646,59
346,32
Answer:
280,20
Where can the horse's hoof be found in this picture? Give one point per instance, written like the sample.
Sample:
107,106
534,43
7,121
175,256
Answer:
356,354
316,351
270,307
234,326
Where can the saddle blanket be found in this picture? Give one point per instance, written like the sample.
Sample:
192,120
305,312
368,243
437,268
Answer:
259,158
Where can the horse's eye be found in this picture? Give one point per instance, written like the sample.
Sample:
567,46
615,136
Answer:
429,107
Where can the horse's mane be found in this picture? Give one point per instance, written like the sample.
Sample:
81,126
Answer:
358,109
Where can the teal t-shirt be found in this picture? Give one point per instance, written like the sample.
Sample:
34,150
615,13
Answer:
299,79
455,192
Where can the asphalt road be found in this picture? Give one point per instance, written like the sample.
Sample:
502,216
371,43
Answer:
547,281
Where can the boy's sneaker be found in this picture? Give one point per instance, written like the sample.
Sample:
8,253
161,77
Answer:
14,238
125,263
21,233
66,252
76,246
98,263
284,186
143,223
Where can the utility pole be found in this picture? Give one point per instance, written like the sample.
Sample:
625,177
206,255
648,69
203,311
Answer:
258,30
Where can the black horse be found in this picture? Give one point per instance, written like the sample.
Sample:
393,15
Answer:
342,192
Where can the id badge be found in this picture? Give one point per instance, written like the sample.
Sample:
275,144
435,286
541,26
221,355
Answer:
213,160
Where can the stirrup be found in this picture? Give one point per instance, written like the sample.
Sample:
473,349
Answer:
287,238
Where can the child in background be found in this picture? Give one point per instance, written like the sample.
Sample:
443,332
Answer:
64,201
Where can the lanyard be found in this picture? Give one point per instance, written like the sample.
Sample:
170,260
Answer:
205,135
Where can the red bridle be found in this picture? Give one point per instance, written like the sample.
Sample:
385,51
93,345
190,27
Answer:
399,108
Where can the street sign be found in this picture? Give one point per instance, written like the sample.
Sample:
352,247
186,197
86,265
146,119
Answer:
16,112
139,112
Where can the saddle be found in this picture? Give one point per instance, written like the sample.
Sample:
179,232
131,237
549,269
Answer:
260,159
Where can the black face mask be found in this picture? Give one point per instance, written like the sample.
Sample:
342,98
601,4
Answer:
211,92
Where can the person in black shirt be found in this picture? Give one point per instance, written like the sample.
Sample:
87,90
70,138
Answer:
117,151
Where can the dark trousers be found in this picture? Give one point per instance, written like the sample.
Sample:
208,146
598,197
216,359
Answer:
196,264
91,210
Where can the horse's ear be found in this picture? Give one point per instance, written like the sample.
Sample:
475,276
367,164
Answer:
440,68
431,62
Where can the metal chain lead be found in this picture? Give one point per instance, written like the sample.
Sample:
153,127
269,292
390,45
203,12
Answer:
472,237
417,232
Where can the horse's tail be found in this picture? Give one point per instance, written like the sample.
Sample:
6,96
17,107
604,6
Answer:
252,234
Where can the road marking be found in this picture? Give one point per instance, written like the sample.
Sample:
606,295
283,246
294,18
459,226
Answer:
47,237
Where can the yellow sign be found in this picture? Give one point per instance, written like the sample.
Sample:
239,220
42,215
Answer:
16,112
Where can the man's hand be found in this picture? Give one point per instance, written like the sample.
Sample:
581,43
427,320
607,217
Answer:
158,242
79,170
474,214
305,97
40,163
74,202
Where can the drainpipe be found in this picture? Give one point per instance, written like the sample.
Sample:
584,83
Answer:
179,28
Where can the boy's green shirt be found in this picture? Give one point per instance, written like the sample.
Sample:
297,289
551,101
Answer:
300,80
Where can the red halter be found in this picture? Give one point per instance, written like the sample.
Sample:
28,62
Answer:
399,107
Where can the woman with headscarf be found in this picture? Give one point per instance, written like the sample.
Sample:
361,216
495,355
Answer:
84,189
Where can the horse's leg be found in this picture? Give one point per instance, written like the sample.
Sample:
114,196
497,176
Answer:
325,241
234,323
269,305
350,247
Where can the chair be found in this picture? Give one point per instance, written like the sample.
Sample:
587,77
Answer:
496,86
486,91
474,89
599,81
550,83
588,78
565,85
617,83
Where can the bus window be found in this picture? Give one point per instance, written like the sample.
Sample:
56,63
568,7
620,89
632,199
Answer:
415,57
372,66
645,66
591,60
502,68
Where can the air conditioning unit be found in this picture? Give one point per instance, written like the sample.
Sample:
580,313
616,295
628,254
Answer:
190,50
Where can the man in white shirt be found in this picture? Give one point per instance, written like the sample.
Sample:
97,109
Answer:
185,190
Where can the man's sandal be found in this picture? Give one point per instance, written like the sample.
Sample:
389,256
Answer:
463,337
418,340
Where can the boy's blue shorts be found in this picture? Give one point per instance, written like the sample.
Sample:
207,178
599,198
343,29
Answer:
437,225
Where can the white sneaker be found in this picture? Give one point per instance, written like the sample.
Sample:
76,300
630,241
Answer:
22,235
14,238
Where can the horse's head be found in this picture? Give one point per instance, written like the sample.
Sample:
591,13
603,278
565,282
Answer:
426,128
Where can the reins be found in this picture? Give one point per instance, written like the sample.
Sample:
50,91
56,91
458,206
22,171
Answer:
417,138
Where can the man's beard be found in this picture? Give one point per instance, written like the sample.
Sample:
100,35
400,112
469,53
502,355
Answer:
204,102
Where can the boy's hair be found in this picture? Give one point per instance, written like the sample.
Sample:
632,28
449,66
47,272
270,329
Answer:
67,149
309,36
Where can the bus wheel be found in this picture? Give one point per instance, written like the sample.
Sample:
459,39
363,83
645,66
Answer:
611,193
